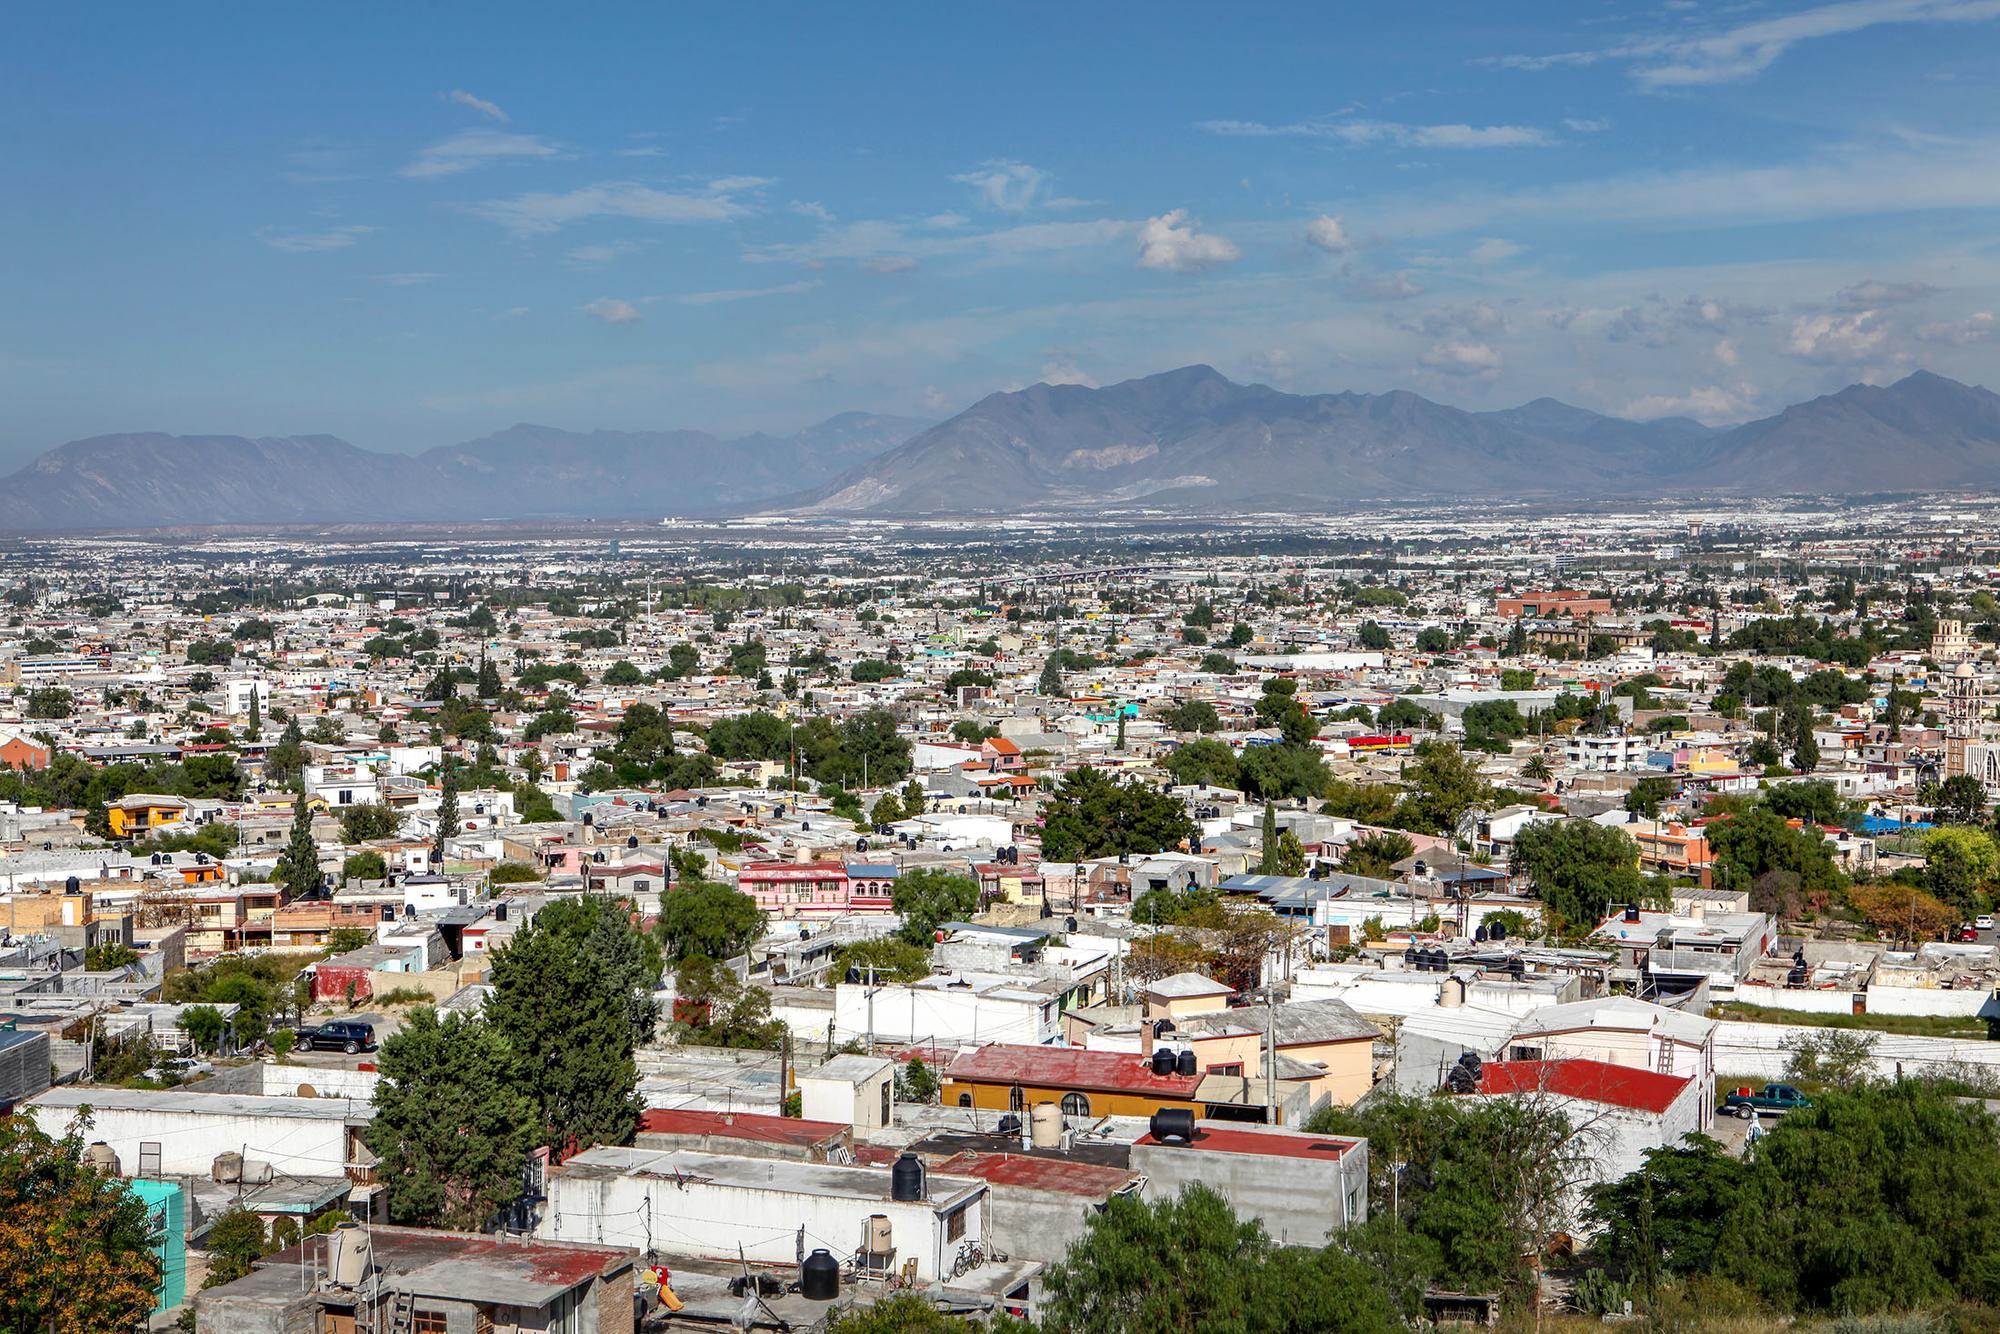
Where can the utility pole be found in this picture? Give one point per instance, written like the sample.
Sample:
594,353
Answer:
1270,1060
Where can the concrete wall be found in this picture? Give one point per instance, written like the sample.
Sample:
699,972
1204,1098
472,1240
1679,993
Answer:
1806,1001
699,1218
950,1018
1931,1000
1761,1051
191,1141
1299,1200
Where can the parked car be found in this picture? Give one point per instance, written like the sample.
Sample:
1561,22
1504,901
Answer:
1775,1100
1967,935
1984,922
348,1035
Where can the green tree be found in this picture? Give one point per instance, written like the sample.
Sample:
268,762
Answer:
568,1016
1187,1265
204,1026
715,1008
1376,855
1646,796
1666,1219
701,917
235,1240
623,673
1400,716
888,958
1580,868
1195,715
1795,729
1203,761
1283,772
1961,800
367,821
1372,636
50,702
1816,800
1051,682
927,897
1958,864
284,761
253,721
1751,844
453,1125
447,815
1440,785
1092,815
367,865
298,865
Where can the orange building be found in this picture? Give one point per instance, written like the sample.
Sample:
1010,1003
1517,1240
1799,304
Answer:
1570,602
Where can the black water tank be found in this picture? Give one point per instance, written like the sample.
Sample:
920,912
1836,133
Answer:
1173,1125
1009,1124
631,840
500,911
1162,1027
819,1277
1163,1061
906,1179
1186,1062
1496,930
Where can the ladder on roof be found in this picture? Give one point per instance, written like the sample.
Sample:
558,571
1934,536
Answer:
402,1315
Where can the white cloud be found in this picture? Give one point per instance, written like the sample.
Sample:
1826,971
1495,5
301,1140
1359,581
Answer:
812,208
512,313
935,399
1361,133
408,279
1837,339
1974,328
744,293
475,148
612,311
1742,51
891,264
1381,287
1328,232
1592,125
1273,365
1854,180
1725,352
1172,242
303,243
1712,404
540,213
1493,249
1872,294
1061,368
1473,361
479,104
1012,187
895,247
597,256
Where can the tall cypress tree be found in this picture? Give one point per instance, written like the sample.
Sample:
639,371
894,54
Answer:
489,678
253,723
298,865
1268,864
447,812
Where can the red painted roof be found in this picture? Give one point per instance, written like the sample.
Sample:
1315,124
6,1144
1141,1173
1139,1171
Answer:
1593,1081
1091,1180
1265,1144
1070,1068
752,1126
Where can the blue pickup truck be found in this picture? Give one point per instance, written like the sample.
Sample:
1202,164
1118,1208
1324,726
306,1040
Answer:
1775,1100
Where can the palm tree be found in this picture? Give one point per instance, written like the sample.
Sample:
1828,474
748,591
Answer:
1537,769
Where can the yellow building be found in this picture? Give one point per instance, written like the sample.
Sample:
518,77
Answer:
138,814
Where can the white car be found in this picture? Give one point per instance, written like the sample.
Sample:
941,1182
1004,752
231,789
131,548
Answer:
1984,923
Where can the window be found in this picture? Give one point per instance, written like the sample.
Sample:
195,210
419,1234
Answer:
429,1322
965,1100
954,1224
1075,1104
640,886
1016,1100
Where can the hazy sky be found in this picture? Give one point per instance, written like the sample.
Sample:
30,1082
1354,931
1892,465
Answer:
409,225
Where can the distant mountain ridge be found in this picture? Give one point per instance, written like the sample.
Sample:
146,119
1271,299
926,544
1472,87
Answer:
1192,439
1185,439
524,472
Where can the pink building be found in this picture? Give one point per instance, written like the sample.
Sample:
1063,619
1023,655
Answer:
799,889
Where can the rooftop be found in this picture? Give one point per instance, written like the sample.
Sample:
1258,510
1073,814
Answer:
1625,1086
1070,1068
826,1180
1265,1142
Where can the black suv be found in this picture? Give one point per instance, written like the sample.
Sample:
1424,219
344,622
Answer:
347,1035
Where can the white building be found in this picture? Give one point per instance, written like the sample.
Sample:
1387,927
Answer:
965,1010
768,1210
177,1132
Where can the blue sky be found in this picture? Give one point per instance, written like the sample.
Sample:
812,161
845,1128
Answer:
411,225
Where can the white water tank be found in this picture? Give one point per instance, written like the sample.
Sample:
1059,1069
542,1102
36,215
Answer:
353,1254
1045,1125
102,1157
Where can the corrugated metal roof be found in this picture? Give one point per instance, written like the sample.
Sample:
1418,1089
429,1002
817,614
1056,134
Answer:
1061,1175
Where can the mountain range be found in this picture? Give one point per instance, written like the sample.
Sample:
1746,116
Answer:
1192,439
1187,439
524,472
